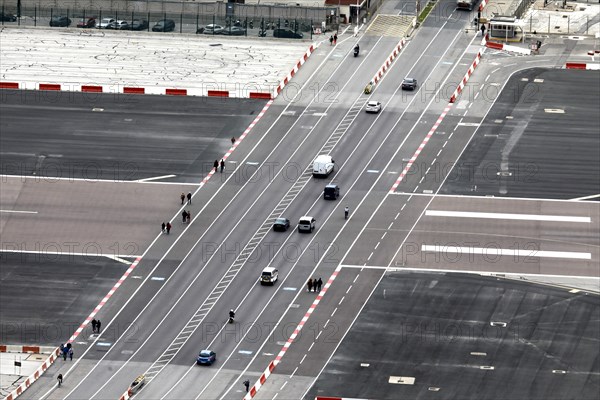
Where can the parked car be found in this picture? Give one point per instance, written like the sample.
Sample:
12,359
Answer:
104,22
138,25
234,31
206,357
7,17
213,29
164,25
60,21
269,276
409,84
306,224
373,107
286,33
87,22
281,224
118,25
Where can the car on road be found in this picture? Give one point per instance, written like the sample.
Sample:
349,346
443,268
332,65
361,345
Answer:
104,22
213,29
7,17
306,224
287,33
136,385
61,21
206,357
138,25
281,224
331,192
119,25
87,22
373,107
164,25
409,84
269,276
234,31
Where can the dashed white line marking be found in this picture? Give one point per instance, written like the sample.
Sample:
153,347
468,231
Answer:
157,278
354,281
18,212
377,245
301,361
402,208
349,287
326,322
390,225
382,236
370,255
445,143
421,180
282,386
311,346
439,152
341,300
397,215
334,311
293,373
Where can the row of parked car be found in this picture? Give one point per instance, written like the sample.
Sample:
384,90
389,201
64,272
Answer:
164,25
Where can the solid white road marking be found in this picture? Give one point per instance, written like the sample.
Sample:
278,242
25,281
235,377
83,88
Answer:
18,212
527,217
593,196
494,252
155,178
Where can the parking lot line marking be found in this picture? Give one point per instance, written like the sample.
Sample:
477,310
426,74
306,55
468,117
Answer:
525,217
494,252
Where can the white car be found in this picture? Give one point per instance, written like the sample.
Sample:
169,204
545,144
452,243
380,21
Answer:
213,29
306,224
373,107
105,22
269,276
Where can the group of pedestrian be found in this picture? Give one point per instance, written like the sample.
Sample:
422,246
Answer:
186,216
314,285
183,197
166,228
96,324
67,351
333,39
216,164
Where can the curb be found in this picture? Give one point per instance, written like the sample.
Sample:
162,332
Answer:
294,70
465,79
27,349
389,61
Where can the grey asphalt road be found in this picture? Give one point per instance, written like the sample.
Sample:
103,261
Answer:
206,271
435,330
117,137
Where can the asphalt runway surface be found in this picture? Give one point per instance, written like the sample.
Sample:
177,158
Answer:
437,329
539,141
117,137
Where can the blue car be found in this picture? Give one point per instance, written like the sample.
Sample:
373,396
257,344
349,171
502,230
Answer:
206,357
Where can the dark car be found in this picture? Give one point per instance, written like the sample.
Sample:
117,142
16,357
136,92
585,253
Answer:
409,84
7,17
234,31
281,224
60,21
286,33
206,357
164,25
331,192
87,22
139,25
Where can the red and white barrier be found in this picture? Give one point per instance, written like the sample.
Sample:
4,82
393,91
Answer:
389,61
27,349
462,84
588,66
289,77
35,376
261,381
507,47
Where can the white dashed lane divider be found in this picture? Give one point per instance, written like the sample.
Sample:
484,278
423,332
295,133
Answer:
421,147
55,354
261,381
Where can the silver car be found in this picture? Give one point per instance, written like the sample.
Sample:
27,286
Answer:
373,107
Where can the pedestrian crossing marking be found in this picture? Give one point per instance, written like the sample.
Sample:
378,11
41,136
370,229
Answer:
390,25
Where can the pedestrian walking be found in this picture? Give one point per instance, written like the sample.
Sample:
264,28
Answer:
189,197
233,140
182,197
184,216
189,217
168,231
482,30
222,165
346,211
309,284
335,39
331,40
71,354
162,229
314,284
94,322
247,384
98,323
59,379
65,353
319,284
216,165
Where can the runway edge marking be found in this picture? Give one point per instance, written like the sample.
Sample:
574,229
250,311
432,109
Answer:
55,354
261,381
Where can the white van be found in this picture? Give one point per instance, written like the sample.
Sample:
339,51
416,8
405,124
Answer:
306,224
323,166
268,276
